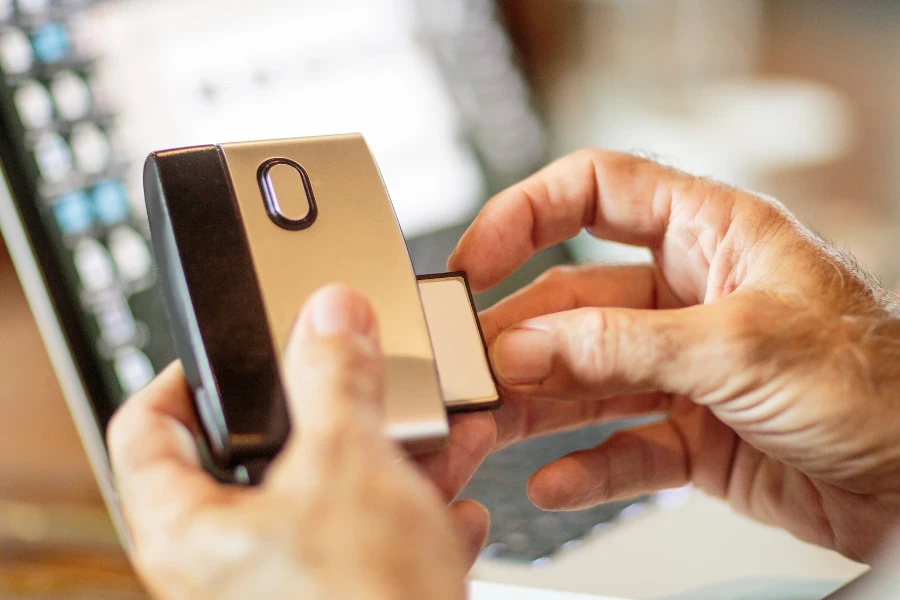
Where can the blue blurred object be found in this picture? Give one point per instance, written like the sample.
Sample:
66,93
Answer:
111,202
73,213
51,42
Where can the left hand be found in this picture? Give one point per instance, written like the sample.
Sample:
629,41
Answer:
341,513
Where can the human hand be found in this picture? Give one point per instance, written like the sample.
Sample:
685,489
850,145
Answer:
774,358
341,513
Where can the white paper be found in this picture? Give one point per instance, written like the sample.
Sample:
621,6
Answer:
480,590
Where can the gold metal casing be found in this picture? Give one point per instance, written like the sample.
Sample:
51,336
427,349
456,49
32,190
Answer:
355,239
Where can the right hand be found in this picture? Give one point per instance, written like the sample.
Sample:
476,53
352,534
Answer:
775,359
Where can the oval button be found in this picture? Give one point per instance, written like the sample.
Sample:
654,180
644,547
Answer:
287,194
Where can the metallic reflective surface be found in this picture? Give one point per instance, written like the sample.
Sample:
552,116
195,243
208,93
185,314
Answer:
462,361
355,240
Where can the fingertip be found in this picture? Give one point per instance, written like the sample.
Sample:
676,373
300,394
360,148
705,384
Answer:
522,356
461,260
473,512
554,487
488,251
335,310
456,262
168,395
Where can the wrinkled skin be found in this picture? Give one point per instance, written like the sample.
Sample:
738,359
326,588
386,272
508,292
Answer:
774,359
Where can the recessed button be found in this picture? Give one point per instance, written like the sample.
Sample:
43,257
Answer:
287,194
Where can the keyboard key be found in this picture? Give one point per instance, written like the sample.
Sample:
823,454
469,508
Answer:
51,43
111,202
74,213
6,10
116,323
90,147
133,369
34,105
16,55
94,266
53,156
130,254
33,7
71,95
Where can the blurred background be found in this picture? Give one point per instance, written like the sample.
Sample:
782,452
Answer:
457,98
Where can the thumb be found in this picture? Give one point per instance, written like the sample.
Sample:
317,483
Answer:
333,371
591,353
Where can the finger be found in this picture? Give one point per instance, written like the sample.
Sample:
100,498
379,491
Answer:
472,437
591,353
630,463
617,196
614,196
523,418
154,456
472,522
567,288
333,373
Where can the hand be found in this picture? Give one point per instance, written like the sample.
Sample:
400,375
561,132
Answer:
774,358
341,514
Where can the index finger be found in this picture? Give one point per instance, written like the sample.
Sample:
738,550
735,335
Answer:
619,197
154,456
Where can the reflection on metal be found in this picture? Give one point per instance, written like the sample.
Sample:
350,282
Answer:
355,240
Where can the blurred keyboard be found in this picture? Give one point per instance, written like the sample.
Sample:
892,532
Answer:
64,161
67,176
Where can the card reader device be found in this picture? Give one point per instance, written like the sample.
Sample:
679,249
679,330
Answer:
244,233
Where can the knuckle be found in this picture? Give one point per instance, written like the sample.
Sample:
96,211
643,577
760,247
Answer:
625,348
739,321
767,218
598,344
738,329
590,155
608,158
745,329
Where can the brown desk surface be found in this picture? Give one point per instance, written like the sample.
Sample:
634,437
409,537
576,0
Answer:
55,538
41,458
